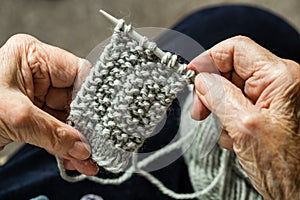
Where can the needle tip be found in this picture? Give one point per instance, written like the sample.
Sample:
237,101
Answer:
102,11
111,18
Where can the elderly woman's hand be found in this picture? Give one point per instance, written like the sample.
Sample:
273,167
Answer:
257,100
36,82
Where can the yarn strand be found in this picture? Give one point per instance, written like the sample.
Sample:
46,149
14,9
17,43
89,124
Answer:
121,102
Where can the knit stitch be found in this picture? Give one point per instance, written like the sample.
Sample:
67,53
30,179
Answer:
124,98
118,107
218,175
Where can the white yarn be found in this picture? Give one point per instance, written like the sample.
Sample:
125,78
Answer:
128,87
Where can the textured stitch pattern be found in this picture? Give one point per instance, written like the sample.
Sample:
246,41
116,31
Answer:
216,176
123,99
113,108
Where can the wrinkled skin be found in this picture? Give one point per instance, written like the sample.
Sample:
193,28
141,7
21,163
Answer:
36,82
257,101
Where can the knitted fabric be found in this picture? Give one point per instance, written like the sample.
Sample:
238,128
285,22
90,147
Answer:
218,175
119,105
124,98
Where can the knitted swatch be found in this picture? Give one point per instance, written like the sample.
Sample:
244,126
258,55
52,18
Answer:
124,98
121,102
216,176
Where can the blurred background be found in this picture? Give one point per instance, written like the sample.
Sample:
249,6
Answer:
77,26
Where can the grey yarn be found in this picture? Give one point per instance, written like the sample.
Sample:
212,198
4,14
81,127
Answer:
216,176
124,98
234,184
119,105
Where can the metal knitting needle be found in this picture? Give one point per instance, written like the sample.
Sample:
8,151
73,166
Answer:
136,36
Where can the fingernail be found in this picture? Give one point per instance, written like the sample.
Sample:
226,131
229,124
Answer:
83,72
202,98
88,167
80,151
96,168
83,63
203,63
195,113
191,67
204,82
91,163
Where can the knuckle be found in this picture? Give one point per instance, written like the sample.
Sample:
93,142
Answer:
61,141
21,38
251,122
60,136
19,115
22,43
292,68
242,38
55,144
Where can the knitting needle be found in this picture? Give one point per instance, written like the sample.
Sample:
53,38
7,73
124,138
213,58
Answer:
136,36
133,34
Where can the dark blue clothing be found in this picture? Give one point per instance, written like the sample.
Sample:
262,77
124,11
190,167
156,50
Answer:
32,171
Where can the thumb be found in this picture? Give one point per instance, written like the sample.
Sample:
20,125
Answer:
24,122
224,99
57,137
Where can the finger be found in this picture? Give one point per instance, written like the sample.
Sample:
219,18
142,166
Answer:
87,167
226,141
199,110
224,99
41,83
226,75
237,80
203,63
4,140
63,66
56,137
240,55
58,114
56,65
44,65
58,98
244,59
80,78
24,122
68,164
